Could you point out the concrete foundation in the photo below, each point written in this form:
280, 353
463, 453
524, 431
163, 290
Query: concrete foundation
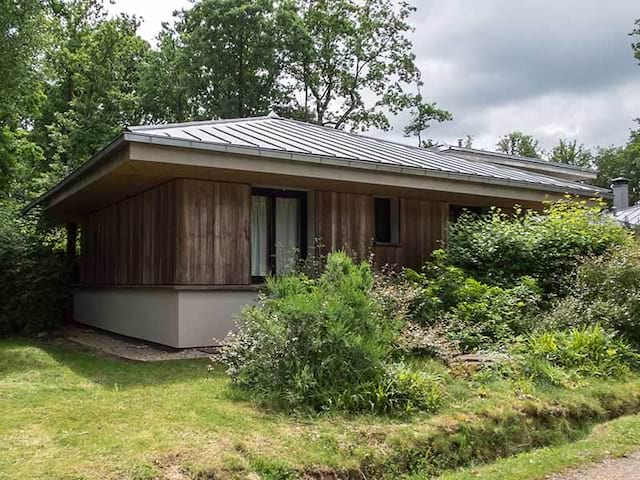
173, 316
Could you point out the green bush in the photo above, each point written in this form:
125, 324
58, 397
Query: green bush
321, 343
474, 314
604, 290
587, 351
499, 248
33, 276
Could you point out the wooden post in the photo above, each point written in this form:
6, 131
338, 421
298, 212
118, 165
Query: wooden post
72, 238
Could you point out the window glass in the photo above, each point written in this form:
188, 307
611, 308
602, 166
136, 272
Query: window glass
259, 237
387, 220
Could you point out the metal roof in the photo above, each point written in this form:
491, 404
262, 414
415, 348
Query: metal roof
629, 216
508, 156
272, 135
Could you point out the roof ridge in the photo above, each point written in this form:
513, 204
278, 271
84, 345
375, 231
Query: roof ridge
135, 128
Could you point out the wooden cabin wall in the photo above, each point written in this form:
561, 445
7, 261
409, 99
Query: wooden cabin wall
213, 233
346, 221
181, 232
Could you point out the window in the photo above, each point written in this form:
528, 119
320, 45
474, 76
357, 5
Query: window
387, 220
278, 231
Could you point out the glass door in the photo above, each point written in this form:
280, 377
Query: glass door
278, 231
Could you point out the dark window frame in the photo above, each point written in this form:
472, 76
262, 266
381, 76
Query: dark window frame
394, 227
271, 194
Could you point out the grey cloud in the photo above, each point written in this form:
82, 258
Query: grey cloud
548, 67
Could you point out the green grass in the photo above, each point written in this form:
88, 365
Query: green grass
70, 414
611, 439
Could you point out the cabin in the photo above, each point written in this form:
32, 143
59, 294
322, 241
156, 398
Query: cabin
179, 224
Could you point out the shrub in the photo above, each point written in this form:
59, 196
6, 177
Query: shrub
605, 290
587, 351
499, 248
319, 343
474, 314
33, 275
408, 391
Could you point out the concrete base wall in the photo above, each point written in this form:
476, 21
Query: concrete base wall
168, 316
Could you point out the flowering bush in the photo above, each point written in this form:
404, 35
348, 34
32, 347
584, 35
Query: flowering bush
319, 343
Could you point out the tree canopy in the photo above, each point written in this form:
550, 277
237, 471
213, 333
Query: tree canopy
518, 143
569, 152
74, 76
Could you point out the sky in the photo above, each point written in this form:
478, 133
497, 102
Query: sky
550, 68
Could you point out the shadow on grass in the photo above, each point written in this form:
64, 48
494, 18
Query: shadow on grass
19, 355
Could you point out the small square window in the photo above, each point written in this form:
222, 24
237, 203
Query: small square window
387, 220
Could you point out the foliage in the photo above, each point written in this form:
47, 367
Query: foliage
588, 351
636, 44
20, 91
475, 315
92, 67
569, 152
224, 59
614, 162
340, 53
33, 275
499, 248
518, 143
320, 343
431, 341
422, 114
605, 289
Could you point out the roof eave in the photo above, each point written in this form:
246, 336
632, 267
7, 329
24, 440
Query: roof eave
93, 162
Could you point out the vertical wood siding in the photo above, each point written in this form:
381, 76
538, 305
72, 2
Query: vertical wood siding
346, 221
182, 232
213, 234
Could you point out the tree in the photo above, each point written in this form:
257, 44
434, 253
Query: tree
569, 152
613, 162
636, 44
349, 60
21, 89
518, 143
93, 69
222, 59
422, 114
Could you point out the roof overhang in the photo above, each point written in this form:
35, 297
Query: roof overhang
138, 159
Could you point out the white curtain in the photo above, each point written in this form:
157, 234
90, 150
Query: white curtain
287, 234
259, 245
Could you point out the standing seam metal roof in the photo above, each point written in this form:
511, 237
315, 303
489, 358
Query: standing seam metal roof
273, 133
629, 216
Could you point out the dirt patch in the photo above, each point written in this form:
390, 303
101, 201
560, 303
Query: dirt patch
625, 468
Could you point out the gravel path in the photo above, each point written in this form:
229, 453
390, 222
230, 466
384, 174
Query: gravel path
126, 347
626, 468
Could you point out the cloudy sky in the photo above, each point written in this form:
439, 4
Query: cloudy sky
551, 68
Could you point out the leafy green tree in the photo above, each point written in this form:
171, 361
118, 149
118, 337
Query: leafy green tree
350, 61
636, 44
613, 162
422, 115
93, 67
21, 89
222, 59
569, 152
518, 143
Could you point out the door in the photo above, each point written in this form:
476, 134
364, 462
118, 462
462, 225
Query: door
278, 231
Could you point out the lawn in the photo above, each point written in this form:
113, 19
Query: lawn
71, 414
